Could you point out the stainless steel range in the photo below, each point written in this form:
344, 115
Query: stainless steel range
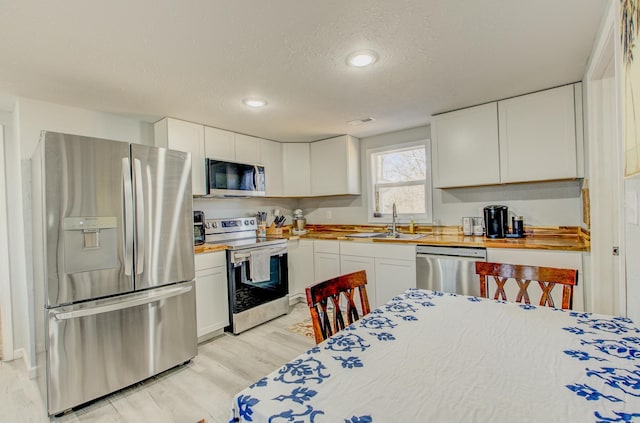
256, 272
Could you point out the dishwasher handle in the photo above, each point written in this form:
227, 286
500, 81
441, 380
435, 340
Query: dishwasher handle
480, 254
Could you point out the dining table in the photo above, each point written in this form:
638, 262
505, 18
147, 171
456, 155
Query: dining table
429, 356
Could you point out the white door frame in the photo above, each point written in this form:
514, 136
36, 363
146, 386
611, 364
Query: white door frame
604, 135
5, 280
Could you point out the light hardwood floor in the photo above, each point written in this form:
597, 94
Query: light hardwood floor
202, 389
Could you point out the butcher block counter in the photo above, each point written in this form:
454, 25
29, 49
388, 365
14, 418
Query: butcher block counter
538, 238
562, 238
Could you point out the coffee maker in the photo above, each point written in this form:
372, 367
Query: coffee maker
496, 221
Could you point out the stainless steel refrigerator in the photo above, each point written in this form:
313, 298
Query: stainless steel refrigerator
113, 265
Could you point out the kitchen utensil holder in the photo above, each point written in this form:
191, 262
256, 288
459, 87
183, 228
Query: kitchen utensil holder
272, 230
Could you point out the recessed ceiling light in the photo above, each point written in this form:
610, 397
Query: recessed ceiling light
254, 102
363, 58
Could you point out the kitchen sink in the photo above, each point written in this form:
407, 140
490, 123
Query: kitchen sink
383, 235
367, 235
408, 236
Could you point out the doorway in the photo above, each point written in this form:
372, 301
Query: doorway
607, 293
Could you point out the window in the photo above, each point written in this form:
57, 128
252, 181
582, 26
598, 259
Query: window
400, 174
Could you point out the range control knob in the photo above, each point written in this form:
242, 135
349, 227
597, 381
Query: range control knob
246, 222
253, 222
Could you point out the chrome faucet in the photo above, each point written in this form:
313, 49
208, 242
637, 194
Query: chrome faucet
393, 233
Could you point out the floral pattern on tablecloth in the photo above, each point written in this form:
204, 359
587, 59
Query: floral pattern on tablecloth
601, 341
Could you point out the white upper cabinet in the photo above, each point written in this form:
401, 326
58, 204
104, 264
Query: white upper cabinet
219, 144
295, 169
335, 166
272, 161
248, 149
185, 136
533, 137
538, 136
229, 146
465, 147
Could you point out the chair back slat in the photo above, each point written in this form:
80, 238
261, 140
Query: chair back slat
547, 278
342, 287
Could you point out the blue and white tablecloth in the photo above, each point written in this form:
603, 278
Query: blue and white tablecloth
432, 357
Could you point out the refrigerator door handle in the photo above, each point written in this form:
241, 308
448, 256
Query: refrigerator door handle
174, 292
128, 215
137, 167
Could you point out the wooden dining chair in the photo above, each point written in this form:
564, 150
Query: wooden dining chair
344, 286
547, 278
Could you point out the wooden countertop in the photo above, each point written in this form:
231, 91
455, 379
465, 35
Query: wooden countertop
538, 238
562, 238
209, 248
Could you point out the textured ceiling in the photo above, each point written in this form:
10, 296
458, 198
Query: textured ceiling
196, 60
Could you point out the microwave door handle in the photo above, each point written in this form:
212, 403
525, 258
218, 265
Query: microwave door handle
255, 178
137, 167
127, 193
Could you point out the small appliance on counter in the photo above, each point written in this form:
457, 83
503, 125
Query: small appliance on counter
517, 227
198, 228
299, 222
496, 220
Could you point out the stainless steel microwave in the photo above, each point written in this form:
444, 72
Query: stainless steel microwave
232, 179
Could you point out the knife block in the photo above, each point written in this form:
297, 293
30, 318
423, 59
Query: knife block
272, 230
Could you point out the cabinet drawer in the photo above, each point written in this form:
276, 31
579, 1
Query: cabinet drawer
208, 260
354, 248
331, 247
402, 252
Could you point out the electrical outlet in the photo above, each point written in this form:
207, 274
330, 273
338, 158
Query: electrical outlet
329, 214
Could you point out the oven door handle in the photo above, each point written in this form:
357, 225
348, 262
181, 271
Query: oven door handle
238, 256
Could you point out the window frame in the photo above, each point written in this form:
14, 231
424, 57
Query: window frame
425, 217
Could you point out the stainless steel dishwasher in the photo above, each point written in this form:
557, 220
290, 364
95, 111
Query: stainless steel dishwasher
449, 269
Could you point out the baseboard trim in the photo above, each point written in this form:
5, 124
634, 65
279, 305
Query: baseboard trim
31, 370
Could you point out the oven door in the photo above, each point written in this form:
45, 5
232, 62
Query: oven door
257, 276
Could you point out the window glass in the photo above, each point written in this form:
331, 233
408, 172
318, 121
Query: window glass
400, 174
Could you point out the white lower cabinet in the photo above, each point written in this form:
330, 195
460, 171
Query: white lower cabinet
350, 264
326, 260
393, 277
562, 259
212, 302
300, 264
391, 269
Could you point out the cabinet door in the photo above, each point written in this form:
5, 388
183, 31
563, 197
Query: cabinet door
393, 277
350, 264
219, 144
212, 302
272, 161
562, 259
295, 169
335, 166
465, 147
326, 266
185, 136
538, 136
300, 263
248, 149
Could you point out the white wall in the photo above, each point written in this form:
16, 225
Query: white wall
216, 208
548, 203
5, 281
30, 117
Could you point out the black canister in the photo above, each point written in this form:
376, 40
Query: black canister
517, 226
496, 221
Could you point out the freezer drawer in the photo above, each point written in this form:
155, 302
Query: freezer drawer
99, 347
